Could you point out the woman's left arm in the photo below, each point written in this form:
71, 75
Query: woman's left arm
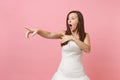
85, 46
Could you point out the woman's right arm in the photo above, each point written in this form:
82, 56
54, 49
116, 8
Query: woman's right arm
50, 35
45, 34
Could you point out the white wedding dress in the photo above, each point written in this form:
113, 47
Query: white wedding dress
71, 67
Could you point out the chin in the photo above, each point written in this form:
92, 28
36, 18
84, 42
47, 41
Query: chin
73, 30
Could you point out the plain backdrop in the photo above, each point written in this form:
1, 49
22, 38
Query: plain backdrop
38, 58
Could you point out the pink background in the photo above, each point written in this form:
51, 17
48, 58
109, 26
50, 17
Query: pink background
37, 58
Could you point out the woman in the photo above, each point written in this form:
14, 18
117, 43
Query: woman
73, 41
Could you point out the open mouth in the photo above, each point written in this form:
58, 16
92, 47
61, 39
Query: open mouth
70, 25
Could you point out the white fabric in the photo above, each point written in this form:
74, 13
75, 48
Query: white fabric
70, 67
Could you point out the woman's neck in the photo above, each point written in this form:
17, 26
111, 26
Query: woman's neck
75, 34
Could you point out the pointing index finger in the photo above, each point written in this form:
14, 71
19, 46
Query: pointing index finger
27, 28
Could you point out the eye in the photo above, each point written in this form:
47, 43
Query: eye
72, 18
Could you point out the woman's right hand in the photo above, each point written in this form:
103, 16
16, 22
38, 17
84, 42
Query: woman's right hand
30, 31
66, 38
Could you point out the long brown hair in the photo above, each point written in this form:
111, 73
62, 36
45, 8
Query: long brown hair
80, 26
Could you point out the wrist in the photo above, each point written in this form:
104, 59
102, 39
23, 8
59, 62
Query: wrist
37, 31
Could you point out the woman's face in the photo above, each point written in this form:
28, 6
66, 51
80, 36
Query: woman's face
72, 21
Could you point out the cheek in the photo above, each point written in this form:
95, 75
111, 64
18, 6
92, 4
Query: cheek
75, 23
